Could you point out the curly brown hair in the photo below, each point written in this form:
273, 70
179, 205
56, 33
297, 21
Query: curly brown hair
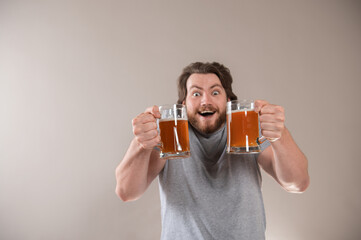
220, 70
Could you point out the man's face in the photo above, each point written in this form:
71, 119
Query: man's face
206, 102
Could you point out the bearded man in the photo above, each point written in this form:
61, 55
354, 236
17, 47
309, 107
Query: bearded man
211, 194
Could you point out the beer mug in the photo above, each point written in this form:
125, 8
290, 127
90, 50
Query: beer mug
243, 133
173, 130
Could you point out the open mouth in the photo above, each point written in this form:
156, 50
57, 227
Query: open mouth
206, 113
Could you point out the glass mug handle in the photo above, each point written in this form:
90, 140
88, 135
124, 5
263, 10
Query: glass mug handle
260, 139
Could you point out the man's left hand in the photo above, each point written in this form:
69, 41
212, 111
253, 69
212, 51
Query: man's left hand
272, 119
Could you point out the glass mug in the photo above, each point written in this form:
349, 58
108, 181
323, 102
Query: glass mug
243, 133
173, 131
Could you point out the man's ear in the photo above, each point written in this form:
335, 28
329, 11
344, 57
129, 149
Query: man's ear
184, 102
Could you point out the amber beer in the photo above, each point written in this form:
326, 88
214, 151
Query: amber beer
242, 127
173, 130
167, 129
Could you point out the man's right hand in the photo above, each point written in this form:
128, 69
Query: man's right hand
141, 163
145, 128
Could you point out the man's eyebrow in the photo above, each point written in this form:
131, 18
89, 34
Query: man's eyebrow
216, 85
200, 88
195, 86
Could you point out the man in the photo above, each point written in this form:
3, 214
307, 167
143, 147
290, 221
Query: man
212, 194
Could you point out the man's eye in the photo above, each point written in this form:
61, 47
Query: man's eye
215, 93
196, 94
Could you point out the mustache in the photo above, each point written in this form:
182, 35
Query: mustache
207, 108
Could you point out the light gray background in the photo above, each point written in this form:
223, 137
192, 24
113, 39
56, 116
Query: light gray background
74, 73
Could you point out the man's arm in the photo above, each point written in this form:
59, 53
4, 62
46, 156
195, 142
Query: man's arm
141, 163
284, 161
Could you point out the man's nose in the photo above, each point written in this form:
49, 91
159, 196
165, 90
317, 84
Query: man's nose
206, 99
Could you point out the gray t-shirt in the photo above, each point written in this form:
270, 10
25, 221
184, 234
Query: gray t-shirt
212, 194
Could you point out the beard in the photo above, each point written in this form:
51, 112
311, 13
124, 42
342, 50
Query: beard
207, 128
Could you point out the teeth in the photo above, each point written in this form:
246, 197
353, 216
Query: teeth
206, 112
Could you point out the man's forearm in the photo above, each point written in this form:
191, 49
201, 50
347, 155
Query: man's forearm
132, 172
290, 164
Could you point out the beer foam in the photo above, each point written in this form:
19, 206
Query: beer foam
240, 110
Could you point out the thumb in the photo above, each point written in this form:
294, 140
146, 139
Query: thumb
154, 110
259, 104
